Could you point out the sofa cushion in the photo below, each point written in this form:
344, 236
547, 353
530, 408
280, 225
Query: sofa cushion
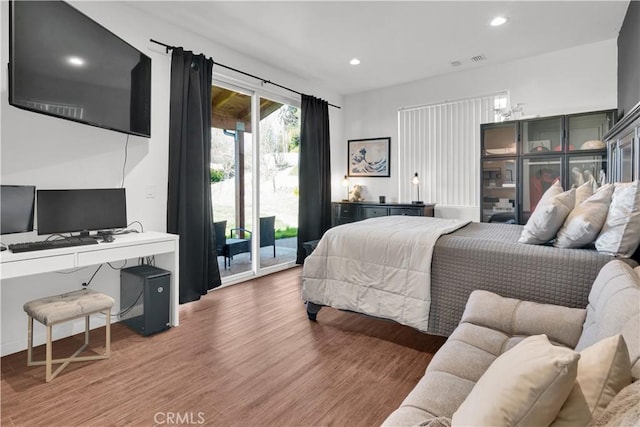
525, 386
614, 307
516, 318
603, 370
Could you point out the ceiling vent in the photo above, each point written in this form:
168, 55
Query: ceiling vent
478, 58
455, 63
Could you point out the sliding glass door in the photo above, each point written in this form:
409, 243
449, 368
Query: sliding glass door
279, 148
254, 181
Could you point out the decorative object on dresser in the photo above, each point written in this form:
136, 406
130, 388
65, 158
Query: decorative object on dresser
369, 157
416, 181
520, 160
345, 183
343, 212
357, 193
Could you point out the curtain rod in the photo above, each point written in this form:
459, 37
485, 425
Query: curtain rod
168, 48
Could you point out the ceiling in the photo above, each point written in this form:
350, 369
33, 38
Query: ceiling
232, 110
396, 41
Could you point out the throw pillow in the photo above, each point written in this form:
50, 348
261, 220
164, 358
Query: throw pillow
586, 220
603, 370
620, 233
524, 386
624, 409
549, 215
583, 192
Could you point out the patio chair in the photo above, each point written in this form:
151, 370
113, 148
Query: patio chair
267, 237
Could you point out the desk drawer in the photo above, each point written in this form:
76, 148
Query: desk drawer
45, 264
124, 252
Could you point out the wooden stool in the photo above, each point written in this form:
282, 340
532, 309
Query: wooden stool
62, 308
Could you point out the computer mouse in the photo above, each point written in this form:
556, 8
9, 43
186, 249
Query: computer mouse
107, 238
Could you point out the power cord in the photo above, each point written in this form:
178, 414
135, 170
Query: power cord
124, 164
86, 284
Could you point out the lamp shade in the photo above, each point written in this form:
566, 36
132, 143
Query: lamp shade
415, 179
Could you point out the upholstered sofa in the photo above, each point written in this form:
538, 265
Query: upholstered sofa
493, 328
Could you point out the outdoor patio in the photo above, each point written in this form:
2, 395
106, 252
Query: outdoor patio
285, 252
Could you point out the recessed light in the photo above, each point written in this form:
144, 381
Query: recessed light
498, 20
74, 60
354, 61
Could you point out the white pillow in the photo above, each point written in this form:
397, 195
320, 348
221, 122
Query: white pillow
583, 192
603, 370
549, 215
620, 233
585, 220
524, 386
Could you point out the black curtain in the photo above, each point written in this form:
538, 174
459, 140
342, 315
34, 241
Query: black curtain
314, 210
189, 211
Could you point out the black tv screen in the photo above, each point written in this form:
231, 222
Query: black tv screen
68, 211
66, 65
16, 208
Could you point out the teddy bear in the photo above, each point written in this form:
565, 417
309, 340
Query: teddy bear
356, 193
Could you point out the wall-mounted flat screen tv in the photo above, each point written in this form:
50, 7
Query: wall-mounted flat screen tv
66, 65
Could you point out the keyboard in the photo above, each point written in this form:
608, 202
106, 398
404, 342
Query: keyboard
52, 244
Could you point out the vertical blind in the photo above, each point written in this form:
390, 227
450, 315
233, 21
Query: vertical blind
441, 142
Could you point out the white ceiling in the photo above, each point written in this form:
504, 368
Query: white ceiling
397, 41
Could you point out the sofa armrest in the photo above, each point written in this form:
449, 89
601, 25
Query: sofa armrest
514, 317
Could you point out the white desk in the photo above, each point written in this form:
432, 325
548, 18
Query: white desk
126, 246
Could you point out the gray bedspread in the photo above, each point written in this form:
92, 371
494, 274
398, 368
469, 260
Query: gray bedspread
487, 256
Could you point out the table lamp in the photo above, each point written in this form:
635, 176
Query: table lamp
416, 181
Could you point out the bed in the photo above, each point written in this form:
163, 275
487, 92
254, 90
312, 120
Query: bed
383, 267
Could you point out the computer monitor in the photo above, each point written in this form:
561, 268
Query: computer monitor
69, 211
16, 208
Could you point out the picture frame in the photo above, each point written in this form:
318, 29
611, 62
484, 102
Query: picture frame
369, 157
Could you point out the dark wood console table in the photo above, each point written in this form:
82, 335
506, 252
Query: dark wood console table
345, 212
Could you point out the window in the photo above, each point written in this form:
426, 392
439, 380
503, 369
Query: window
442, 143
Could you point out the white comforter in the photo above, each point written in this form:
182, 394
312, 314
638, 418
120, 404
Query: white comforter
379, 266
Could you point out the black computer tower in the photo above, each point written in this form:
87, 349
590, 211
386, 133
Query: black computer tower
145, 298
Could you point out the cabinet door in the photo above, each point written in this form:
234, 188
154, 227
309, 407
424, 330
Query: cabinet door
586, 131
625, 147
498, 190
538, 174
583, 168
373, 211
542, 135
499, 139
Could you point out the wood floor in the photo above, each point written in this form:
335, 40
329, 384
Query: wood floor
244, 355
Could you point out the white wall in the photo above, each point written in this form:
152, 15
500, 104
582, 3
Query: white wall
562, 82
54, 153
